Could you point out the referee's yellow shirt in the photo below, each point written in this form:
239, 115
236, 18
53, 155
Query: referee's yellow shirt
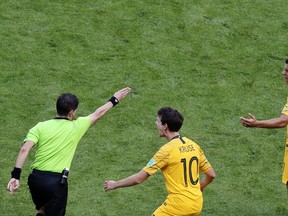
56, 141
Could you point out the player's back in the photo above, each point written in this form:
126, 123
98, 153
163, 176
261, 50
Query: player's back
182, 174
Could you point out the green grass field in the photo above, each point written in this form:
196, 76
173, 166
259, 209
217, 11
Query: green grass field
212, 60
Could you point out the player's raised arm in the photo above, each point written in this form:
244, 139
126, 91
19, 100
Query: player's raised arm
113, 101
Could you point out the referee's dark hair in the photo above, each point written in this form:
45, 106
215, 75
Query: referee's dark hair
65, 103
286, 61
171, 117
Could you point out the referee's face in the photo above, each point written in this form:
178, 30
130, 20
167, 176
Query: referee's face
285, 73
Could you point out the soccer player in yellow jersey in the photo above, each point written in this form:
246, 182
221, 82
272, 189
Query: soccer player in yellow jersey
280, 122
180, 160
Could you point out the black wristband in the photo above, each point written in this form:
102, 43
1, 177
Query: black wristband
114, 101
16, 173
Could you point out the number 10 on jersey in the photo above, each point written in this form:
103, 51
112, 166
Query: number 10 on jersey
192, 172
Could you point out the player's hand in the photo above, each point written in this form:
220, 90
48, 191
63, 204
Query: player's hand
122, 93
109, 185
251, 122
13, 185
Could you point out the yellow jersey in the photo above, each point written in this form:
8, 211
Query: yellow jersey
180, 160
285, 166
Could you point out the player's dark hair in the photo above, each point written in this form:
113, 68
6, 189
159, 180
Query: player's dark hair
286, 61
171, 117
65, 103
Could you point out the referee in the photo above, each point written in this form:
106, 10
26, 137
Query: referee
56, 141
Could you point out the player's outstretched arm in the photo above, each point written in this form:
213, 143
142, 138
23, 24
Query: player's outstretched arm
114, 100
279, 122
129, 181
208, 178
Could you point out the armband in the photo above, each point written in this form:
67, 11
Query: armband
114, 101
16, 173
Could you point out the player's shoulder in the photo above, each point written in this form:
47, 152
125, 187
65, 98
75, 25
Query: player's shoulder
167, 148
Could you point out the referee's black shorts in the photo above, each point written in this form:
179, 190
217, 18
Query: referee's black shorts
48, 192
